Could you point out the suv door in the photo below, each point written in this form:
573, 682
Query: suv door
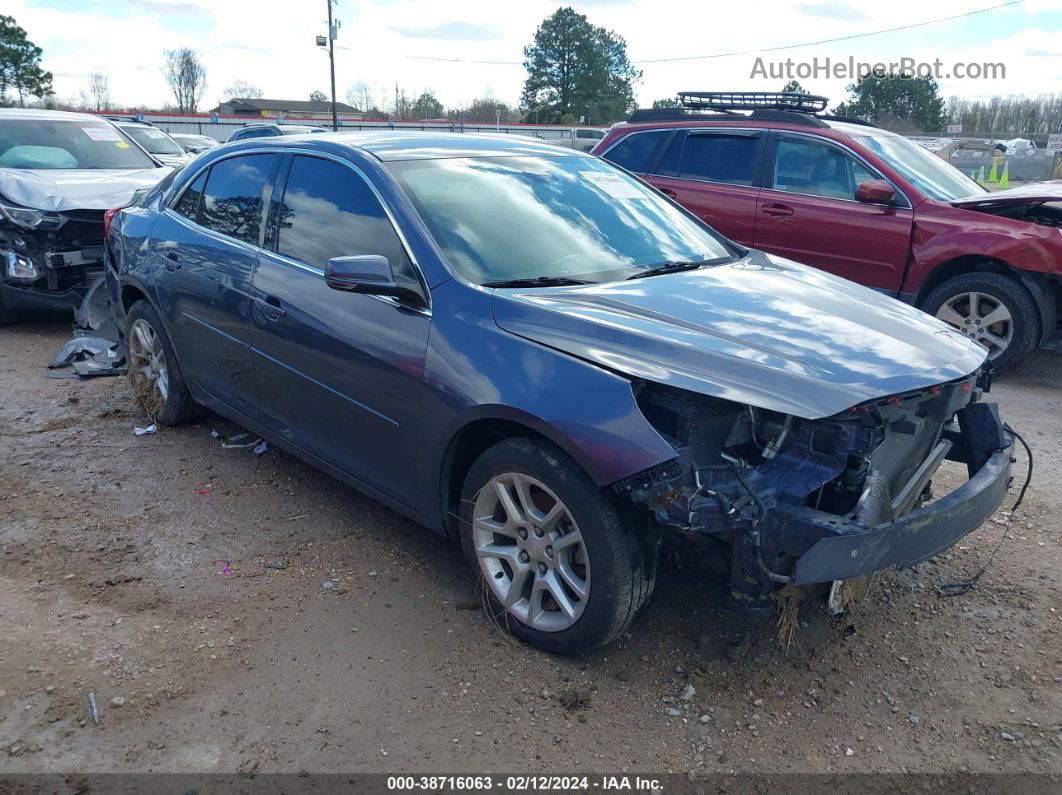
339, 373
714, 173
207, 241
808, 212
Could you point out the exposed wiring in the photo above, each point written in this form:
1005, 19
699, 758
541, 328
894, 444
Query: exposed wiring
960, 588
774, 576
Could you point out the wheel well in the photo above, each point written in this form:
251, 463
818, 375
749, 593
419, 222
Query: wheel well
969, 263
469, 443
130, 295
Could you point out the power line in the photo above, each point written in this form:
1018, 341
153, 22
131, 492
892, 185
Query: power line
762, 49
838, 38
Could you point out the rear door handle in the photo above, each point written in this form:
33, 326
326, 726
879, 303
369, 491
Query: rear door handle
271, 308
778, 210
669, 193
173, 262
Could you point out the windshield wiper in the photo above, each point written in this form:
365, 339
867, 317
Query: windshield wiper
670, 267
537, 281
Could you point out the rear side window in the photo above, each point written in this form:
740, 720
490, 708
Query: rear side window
718, 157
329, 211
637, 151
188, 204
234, 196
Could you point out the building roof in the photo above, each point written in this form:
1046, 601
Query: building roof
302, 106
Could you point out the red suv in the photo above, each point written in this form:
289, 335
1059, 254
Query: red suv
863, 203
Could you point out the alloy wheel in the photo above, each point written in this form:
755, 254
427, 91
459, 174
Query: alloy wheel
531, 552
982, 318
147, 361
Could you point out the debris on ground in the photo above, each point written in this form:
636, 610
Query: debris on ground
93, 709
152, 428
95, 347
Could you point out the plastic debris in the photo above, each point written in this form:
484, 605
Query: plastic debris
226, 567
95, 348
93, 708
261, 447
152, 428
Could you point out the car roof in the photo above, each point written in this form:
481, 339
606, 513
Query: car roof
846, 128
391, 145
54, 115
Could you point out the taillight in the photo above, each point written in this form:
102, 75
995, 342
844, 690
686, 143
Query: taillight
107, 218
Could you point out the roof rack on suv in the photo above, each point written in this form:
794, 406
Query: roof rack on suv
752, 100
132, 119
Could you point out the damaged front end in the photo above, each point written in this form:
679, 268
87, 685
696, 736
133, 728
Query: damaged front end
49, 259
807, 501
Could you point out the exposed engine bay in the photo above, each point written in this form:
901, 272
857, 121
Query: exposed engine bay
55, 255
1036, 212
774, 485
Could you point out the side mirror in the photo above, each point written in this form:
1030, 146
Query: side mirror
874, 191
370, 274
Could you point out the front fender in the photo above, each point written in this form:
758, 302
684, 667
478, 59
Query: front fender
479, 371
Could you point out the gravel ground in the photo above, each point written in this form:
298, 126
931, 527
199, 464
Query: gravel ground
184, 585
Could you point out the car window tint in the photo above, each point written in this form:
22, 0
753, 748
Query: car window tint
329, 211
720, 158
815, 168
669, 163
188, 204
232, 200
637, 151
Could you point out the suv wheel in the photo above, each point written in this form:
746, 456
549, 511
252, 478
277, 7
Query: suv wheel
156, 376
557, 564
992, 309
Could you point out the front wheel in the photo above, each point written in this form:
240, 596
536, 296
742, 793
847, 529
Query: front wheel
991, 309
558, 565
156, 376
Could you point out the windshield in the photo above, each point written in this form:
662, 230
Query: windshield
515, 218
930, 174
51, 143
155, 141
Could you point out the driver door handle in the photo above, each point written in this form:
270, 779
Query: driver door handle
778, 210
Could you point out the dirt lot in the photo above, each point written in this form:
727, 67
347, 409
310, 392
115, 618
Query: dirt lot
113, 556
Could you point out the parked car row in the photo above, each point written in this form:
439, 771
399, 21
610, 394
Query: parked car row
546, 359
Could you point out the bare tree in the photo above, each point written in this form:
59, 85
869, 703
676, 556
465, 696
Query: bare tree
360, 96
99, 92
186, 76
241, 89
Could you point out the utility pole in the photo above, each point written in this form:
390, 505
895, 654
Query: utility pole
332, 63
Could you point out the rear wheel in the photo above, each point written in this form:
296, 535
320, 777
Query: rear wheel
991, 309
153, 369
558, 565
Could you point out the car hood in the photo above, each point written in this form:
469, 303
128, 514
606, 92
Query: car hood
60, 189
763, 331
1040, 192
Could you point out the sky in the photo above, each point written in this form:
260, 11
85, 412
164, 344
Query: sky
479, 43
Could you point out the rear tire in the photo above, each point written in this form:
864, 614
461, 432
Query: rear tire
154, 372
967, 300
578, 576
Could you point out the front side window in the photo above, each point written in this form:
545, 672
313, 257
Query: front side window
814, 168
234, 194
188, 204
62, 144
930, 174
720, 157
637, 151
513, 218
329, 211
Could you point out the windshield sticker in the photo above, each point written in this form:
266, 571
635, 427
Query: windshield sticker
155, 133
615, 185
122, 145
101, 133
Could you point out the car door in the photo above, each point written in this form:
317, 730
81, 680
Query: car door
808, 212
714, 173
206, 243
339, 374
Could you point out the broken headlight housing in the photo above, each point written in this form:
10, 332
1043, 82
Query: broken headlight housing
28, 218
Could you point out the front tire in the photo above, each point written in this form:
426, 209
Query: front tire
157, 380
558, 565
993, 310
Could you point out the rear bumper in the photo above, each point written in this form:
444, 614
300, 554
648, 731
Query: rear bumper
854, 550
